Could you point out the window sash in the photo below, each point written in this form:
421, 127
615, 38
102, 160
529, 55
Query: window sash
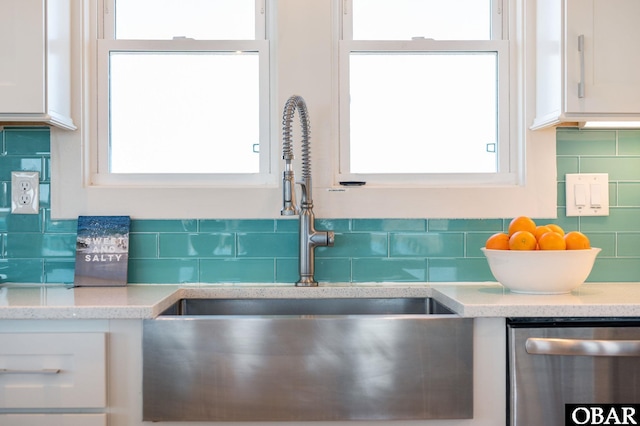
498, 20
107, 25
507, 173
101, 174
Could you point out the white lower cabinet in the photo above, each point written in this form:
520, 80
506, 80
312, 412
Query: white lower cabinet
64, 373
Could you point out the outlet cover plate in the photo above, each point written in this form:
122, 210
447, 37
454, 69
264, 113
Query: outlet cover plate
587, 194
25, 192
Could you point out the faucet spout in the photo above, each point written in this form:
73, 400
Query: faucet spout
310, 238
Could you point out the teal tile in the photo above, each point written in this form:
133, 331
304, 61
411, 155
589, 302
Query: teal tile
614, 199
13, 164
4, 219
465, 225
164, 225
628, 244
143, 246
566, 165
615, 270
24, 245
237, 270
163, 271
619, 219
474, 241
427, 245
221, 225
561, 194
196, 245
59, 271
390, 225
451, 270
333, 270
287, 270
24, 222
45, 195
585, 142
45, 175
380, 270
618, 168
34, 141
21, 271
290, 224
358, 244
628, 194
336, 225
5, 195
326, 270
57, 225
267, 244
628, 142
604, 240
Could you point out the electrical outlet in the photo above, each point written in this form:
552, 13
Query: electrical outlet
25, 192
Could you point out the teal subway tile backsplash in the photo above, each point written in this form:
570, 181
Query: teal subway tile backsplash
628, 142
38, 249
585, 142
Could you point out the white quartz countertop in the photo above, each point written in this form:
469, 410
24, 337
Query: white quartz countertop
22, 301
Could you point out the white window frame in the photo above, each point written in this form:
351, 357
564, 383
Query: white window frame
107, 43
499, 44
304, 56
100, 168
506, 173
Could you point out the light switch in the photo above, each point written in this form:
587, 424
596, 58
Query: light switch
587, 194
580, 195
596, 195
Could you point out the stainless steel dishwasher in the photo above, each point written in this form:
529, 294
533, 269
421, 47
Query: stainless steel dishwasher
559, 361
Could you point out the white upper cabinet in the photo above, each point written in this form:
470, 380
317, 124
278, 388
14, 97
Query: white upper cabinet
35, 51
588, 56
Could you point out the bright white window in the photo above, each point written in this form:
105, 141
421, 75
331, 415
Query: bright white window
425, 94
183, 90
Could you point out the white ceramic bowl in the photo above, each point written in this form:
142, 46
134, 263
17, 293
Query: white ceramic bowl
541, 271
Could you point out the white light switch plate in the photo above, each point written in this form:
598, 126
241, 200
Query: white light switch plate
587, 194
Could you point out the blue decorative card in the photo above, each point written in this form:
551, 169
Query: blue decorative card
102, 251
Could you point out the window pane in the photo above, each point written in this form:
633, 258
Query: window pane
436, 19
423, 113
184, 113
198, 19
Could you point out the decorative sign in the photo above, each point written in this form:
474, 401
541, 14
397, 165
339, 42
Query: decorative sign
102, 251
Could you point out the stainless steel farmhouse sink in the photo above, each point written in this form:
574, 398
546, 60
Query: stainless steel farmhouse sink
307, 360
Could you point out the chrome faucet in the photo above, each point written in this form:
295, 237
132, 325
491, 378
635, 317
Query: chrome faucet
310, 238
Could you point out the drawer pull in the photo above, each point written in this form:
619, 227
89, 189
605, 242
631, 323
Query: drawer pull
43, 371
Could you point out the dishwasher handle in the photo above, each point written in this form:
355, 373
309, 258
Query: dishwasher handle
577, 347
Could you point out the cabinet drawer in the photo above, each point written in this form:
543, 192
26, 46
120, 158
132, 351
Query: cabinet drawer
53, 419
52, 370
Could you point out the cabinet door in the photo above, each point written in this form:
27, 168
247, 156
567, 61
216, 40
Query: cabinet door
22, 55
607, 63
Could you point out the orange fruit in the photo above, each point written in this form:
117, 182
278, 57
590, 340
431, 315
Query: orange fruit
499, 241
552, 241
555, 228
522, 240
577, 241
541, 230
522, 223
